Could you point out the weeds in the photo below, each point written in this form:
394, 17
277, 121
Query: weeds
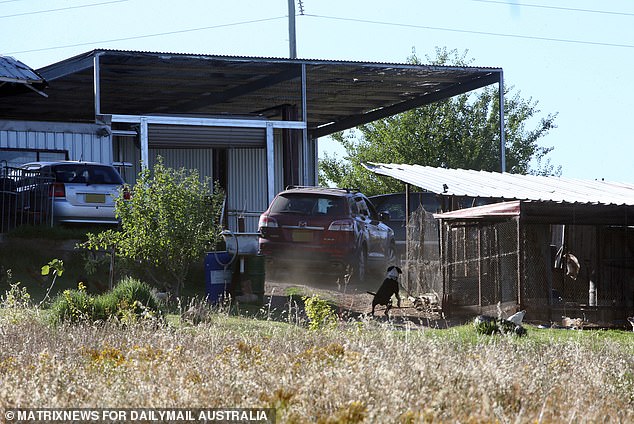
364, 372
16, 302
16, 297
319, 312
373, 374
130, 301
73, 306
55, 266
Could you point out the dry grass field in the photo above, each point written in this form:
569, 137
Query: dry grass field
366, 371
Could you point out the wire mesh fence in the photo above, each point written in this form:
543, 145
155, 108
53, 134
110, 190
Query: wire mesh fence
424, 273
481, 263
553, 271
24, 198
584, 271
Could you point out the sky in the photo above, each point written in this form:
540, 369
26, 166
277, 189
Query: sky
573, 57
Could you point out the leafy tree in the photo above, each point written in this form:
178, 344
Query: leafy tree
171, 219
461, 132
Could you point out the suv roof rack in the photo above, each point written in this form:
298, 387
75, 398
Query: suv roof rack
346, 189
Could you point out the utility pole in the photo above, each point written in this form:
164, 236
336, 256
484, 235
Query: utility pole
291, 29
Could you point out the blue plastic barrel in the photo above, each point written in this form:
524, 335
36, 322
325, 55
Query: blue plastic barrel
217, 275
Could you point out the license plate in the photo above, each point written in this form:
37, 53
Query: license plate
302, 236
95, 198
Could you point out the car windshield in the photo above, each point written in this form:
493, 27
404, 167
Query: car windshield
303, 204
86, 174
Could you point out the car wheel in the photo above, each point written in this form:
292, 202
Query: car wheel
359, 268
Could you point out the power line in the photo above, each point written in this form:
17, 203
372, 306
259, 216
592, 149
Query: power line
569, 9
61, 9
365, 21
150, 35
464, 31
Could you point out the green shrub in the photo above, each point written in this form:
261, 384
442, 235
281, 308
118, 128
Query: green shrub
128, 302
72, 306
105, 306
319, 312
171, 220
130, 291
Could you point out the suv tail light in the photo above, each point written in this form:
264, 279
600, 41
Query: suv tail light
342, 225
267, 222
57, 190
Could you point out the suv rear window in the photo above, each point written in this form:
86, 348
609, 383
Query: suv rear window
93, 174
303, 204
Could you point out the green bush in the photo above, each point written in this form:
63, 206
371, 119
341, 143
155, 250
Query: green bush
72, 306
134, 299
129, 301
106, 306
130, 290
319, 312
171, 220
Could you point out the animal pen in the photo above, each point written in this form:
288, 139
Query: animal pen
553, 260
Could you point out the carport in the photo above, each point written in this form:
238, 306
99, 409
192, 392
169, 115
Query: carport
174, 102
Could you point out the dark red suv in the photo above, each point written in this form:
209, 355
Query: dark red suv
326, 231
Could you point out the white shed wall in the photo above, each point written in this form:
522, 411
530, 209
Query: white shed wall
246, 187
89, 142
200, 159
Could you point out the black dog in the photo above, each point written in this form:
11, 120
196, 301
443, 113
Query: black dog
388, 288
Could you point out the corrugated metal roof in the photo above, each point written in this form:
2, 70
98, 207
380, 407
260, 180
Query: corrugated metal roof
462, 182
15, 76
338, 94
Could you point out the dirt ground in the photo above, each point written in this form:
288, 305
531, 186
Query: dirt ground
351, 300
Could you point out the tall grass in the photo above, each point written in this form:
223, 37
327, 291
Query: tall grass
359, 372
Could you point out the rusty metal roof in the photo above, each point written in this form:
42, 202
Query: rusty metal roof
339, 94
16, 77
502, 209
462, 182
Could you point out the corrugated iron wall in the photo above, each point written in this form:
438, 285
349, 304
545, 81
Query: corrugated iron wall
89, 142
125, 150
246, 187
200, 159
247, 168
247, 174
187, 136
